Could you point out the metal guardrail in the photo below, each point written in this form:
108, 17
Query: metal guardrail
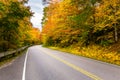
3, 54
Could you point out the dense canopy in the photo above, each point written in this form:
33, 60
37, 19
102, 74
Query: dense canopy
15, 27
70, 22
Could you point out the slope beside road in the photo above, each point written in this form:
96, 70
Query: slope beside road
46, 64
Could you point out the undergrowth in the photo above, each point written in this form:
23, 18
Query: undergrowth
94, 52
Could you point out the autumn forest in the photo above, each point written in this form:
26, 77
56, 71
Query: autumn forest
89, 28
15, 27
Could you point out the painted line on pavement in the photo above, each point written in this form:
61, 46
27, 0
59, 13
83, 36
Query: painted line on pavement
92, 76
24, 68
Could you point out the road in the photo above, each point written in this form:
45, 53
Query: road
41, 63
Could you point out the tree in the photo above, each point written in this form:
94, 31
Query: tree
108, 17
11, 13
89, 21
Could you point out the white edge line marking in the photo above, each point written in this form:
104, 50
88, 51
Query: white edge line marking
24, 68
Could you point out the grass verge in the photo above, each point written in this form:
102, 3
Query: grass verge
94, 52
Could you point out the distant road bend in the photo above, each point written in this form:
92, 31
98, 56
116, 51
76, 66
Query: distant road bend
45, 64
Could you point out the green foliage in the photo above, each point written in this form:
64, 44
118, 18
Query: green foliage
15, 26
92, 21
84, 27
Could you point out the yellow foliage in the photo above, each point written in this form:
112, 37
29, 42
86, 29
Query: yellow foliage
94, 52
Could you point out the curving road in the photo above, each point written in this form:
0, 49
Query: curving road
45, 64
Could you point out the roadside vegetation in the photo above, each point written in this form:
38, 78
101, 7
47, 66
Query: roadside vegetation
16, 30
89, 28
94, 52
15, 27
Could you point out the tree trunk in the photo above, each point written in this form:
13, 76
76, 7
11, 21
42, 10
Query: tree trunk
115, 26
116, 33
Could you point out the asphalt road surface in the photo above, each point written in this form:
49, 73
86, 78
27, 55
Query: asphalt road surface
40, 63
